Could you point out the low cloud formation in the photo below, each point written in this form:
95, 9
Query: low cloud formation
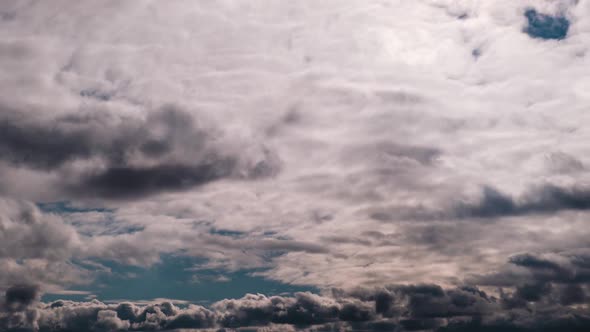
19, 297
533, 292
385, 308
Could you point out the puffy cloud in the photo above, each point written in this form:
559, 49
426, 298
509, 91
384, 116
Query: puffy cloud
417, 307
36, 247
107, 320
21, 296
27, 233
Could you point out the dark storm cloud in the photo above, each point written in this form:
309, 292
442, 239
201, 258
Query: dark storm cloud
50, 144
534, 262
20, 296
492, 204
573, 323
168, 150
14, 307
572, 294
548, 280
431, 301
564, 268
386, 308
542, 199
39, 147
123, 182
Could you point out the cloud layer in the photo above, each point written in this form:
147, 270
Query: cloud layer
421, 163
387, 308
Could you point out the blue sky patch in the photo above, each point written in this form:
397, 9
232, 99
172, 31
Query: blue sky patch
545, 26
64, 207
174, 278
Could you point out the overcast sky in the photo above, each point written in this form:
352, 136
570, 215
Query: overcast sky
276, 165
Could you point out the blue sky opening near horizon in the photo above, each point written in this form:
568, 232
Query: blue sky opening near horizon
175, 278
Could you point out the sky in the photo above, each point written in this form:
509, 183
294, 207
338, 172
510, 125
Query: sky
275, 165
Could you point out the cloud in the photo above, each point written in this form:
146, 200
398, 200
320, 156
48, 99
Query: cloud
27, 233
36, 247
340, 144
564, 163
21, 296
548, 280
540, 199
135, 157
409, 308
492, 203
570, 267
122, 182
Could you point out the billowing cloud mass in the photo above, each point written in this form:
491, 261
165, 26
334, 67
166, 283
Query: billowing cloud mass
416, 165
385, 308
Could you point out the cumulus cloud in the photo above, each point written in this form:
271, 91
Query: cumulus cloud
399, 308
36, 247
20, 296
27, 233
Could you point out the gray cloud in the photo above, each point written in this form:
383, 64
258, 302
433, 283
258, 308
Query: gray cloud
541, 199
390, 154
125, 182
572, 267
18, 297
36, 247
401, 308
563, 163
29, 234
165, 151
550, 282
